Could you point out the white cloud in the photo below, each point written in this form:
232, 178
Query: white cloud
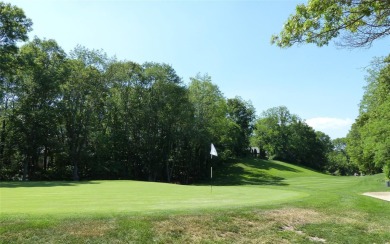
334, 127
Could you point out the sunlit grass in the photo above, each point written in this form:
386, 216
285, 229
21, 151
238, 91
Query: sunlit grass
121, 197
252, 201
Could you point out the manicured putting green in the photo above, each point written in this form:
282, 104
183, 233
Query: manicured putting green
113, 197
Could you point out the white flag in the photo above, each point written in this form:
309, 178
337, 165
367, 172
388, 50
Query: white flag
213, 150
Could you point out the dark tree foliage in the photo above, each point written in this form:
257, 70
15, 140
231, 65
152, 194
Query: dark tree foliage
241, 113
339, 162
34, 115
14, 26
86, 116
284, 136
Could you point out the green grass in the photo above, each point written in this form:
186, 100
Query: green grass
252, 201
122, 197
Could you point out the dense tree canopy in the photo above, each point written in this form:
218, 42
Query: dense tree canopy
359, 22
339, 162
14, 26
84, 115
242, 113
369, 138
34, 114
286, 137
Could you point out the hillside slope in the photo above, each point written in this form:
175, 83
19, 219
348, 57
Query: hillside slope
253, 171
272, 173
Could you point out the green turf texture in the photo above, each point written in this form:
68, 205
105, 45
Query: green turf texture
252, 201
105, 197
249, 183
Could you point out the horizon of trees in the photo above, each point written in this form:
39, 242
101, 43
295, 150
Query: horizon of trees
84, 115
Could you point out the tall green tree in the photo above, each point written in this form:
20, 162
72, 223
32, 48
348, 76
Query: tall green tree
355, 148
210, 122
150, 121
368, 140
339, 162
35, 116
358, 22
305, 146
14, 26
243, 114
272, 131
126, 118
82, 93
166, 105
286, 137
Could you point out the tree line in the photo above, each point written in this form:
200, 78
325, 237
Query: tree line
284, 136
84, 115
368, 142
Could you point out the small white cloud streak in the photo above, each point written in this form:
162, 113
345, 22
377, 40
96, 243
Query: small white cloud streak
334, 127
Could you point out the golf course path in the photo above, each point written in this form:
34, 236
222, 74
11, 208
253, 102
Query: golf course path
381, 195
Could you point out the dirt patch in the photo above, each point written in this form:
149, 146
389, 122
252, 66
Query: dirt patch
250, 227
294, 216
90, 228
380, 195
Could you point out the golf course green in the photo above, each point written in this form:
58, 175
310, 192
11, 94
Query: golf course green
110, 197
278, 182
251, 201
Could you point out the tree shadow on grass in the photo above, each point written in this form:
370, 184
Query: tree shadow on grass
267, 165
250, 171
17, 184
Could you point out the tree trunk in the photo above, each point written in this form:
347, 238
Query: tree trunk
25, 169
2, 142
45, 156
169, 172
75, 171
2, 139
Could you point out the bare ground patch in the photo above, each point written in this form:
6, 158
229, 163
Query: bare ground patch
253, 227
95, 228
291, 219
285, 225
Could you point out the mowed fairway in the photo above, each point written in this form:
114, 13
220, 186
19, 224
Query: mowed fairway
110, 197
250, 183
252, 201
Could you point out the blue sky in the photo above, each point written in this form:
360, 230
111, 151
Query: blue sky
229, 40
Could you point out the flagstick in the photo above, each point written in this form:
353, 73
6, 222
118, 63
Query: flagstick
211, 179
211, 175
212, 152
